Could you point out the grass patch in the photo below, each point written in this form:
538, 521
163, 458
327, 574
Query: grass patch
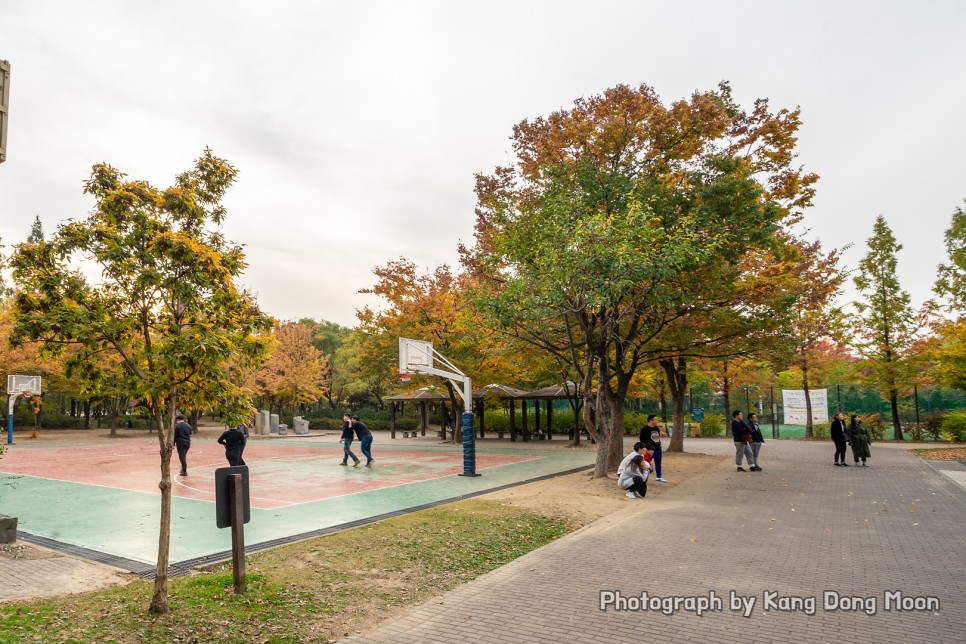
313, 591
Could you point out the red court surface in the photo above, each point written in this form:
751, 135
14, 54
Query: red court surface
281, 474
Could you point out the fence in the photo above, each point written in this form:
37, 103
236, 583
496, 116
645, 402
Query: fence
915, 408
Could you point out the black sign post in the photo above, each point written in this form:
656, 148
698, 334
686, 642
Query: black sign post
232, 508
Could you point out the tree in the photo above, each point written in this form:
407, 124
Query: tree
886, 326
327, 337
815, 319
951, 280
36, 231
297, 372
164, 302
600, 240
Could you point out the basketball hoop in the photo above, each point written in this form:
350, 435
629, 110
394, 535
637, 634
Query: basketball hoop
26, 394
405, 378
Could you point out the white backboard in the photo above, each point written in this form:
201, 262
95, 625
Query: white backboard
414, 355
20, 384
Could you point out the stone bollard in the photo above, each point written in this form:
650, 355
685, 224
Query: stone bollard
8, 529
266, 422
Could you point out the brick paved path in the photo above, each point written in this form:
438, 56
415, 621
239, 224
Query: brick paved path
46, 573
798, 529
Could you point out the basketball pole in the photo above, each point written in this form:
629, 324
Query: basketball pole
10, 400
469, 435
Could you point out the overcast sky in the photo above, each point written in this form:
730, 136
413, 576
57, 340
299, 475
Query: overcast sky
358, 127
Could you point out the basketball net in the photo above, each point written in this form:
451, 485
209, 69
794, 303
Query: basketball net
405, 378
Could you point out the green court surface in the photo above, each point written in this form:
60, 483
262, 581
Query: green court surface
100, 499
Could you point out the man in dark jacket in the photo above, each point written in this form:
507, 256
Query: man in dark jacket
756, 439
182, 440
234, 442
365, 437
742, 437
347, 441
651, 437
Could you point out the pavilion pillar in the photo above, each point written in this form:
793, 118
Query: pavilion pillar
423, 417
392, 419
513, 420
549, 419
523, 412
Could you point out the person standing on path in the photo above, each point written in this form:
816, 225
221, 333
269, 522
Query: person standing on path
347, 441
651, 437
756, 438
860, 439
742, 437
839, 437
234, 442
182, 440
365, 438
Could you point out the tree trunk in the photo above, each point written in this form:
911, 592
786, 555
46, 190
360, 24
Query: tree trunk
159, 602
726, 390
664, 402
676, 370
896, 425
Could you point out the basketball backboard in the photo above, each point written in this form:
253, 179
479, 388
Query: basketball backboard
19, 384
414, 355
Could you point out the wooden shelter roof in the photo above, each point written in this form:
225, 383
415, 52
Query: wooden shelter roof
426, 393
503, 392
554, 392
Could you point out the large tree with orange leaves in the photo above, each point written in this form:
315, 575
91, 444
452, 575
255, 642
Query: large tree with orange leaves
604, 233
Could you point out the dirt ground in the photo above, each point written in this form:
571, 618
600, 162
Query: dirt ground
585, 499
577, 496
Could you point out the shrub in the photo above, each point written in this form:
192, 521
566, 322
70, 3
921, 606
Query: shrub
634, 423
954, 427
916, 432
713, 425
934, 424
494, 420
821, 430
873, 423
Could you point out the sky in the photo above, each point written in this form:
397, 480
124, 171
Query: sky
358, 128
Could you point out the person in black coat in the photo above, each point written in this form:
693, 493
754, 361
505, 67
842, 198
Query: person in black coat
839, 438
741, 433
234, 442
347, 441
365, 437
182, 440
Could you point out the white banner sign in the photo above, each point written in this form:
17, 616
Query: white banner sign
794, 403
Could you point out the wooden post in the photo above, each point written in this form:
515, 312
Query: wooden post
423, 417
549, 419
482, 410
392, 419
513, 420
523, 411
237, 534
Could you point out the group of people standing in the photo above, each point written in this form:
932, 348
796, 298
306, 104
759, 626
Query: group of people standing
748, 439
350, 425
856, 435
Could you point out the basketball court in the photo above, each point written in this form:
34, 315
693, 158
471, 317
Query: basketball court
98, 497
